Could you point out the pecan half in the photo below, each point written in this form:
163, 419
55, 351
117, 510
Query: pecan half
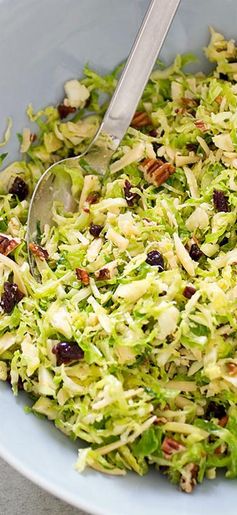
83, 276
170, 446
156, 171
140, 119
39, 251
7, 245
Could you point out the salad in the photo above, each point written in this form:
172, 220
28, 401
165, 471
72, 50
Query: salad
128, 341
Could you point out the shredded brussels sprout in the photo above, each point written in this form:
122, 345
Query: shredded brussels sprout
129, 342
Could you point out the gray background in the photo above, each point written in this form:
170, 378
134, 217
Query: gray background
18, 496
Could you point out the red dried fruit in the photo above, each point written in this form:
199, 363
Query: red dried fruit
64, 111
154, 258
92, 198
189, 291
215, 410
38, 251
140, 119
156, 171
83, 276
195, 252
95, 230
19, 188
131, 198
10, 297
66, 352
103, 274
220, 201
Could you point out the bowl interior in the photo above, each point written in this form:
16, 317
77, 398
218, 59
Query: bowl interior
42, 44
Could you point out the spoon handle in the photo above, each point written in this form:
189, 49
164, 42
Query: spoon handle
139, 65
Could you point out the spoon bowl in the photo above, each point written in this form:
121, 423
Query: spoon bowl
55, 183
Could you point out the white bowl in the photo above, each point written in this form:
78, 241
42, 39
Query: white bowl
43, 43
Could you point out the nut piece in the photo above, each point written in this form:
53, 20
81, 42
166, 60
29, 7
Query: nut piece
156, 171
140, 119
170, 446
83, 276
189, 477
7, 245
103, 274
39, 251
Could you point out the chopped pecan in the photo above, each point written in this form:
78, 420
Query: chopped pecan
170, 446
38, 251
232, 369
83, 276
223, 421
201, 125
7, 245
64, 110
218, 99
189, 477
189, 102
156, 171
140, 119
103, 274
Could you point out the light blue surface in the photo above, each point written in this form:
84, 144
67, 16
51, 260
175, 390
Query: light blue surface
43, 43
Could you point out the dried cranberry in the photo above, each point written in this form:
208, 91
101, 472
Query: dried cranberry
224, 241
64, 111
189, 292
154, 258
95, 230
192, 147
223, 76
66, 352
220, 201
195, 252
10, 297
19, 188
131, 198
153, 133
215, 410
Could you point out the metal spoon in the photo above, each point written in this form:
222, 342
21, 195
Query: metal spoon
130, 87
